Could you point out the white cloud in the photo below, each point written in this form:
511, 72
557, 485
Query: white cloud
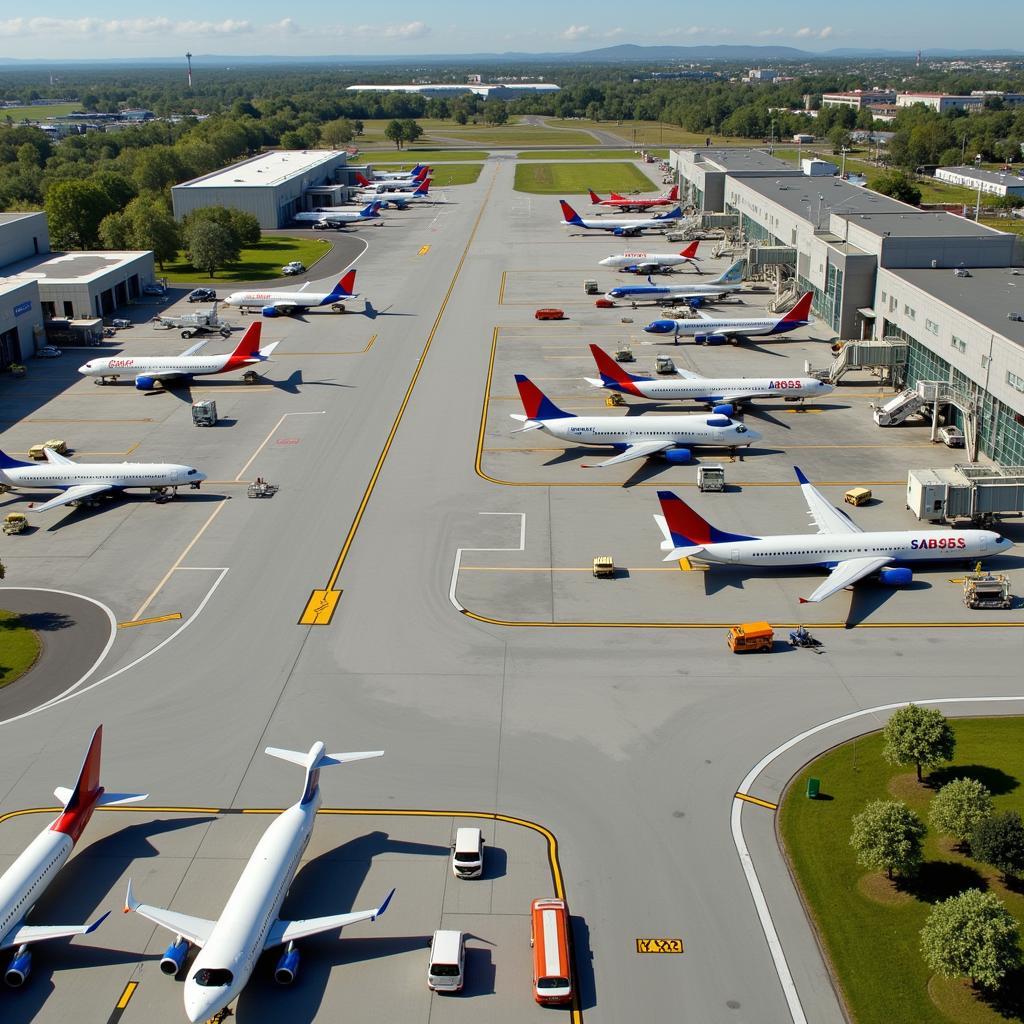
613, 33
814, 33
772, 32
576, 32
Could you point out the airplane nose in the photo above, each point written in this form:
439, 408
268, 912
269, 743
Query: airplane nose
84, 368
660, 327
200, 1004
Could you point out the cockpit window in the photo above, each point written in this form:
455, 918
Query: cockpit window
213, 977
740, 429
192, 472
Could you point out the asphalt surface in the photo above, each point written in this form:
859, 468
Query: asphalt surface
628, 743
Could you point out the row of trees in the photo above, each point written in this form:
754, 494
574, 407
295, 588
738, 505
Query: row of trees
971, 934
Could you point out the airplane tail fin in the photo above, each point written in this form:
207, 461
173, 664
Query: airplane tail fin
801, 311
314, 759
674, 214
250, 343
690, 252
612, 374
733, 275
420, 171
594, 197
6, 462
673, 193
424, 187
370, 209
363, 180
343, 289
267, 351
536, 404
569, 214
687, 531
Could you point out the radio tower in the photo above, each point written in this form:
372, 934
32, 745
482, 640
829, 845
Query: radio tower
918, 62
188, 57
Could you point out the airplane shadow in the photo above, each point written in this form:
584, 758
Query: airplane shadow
295, 381
870, 596
84, 513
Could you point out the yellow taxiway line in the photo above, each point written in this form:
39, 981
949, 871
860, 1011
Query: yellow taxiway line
149, 622
754, 800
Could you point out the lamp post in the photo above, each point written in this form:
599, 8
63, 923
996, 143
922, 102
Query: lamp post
842, 172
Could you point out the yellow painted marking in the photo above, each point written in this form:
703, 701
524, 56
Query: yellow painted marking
149, 622
686, 565
501, 288
126, 995
659, 945
320, 608
755, 800
372, 483
802, 412
424, 249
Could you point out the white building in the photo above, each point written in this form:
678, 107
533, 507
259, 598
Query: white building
858, 98
996, 183
940, 101
449, 90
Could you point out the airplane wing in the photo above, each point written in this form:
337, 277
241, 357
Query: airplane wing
191, 351
844, 574
29, 933
71, 494
687, 374
827, 518
56, 459
196, 929
635, 451
304, 286
290, 931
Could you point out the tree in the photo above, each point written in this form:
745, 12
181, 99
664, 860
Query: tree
496, 112
999, 840
888, 835
337, 133
839, 139
411, 130
897, 184
151, 226
210, 247
243, 227
916, 735
972, 934
114, 232
395, 132
74, 210
958, 807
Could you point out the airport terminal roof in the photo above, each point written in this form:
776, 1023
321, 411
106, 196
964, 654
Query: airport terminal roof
740, 160
11, 218
988, 295
918, 224
838, 196
265, 170
70, 267
1012, 179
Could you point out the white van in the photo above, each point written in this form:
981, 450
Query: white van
468, 853
447, 961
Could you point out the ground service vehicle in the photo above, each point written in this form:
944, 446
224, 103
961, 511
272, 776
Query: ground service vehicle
55, 444
446, 969
202, 295
711, 477
15, 522
550, 314
468, 853
987, 590
549, 937
750, 636
857, 496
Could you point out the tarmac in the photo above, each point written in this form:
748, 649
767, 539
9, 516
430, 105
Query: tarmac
421, 583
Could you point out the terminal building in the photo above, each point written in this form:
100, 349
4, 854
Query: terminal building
271, 186
948, 288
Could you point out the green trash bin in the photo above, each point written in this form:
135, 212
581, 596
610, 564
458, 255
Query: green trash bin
813, 785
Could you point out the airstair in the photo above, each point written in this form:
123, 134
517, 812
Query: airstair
898, 409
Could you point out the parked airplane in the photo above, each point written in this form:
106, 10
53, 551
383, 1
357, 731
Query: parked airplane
635, 437
638, 204
413, 172
288, 303
78, 481
713, 331
401, 182
653, 262
230, 947
840, 547
711, 391
151, 370
719, 288
399, 198
338, 218
618, 226
24, 882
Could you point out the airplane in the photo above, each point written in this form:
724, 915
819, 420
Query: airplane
841, 546
230, 947
730, 281
289, 303
706, 329
640, 205
338, 218
151, 370
724, 394
401, 198
653, 262
78, 481
24, 882
618, 226
635, 437
401, 182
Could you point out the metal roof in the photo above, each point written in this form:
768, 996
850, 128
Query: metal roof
69, 267
265, 170
983, 174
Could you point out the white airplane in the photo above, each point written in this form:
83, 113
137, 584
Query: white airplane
635, 437
399, 198
289, 303
230, 947
653, 262
415, 174
77, 480
402, 183
24, 882
618, 225
338, 217
713, 331
719, 288
840, 547
711, 391
151, 370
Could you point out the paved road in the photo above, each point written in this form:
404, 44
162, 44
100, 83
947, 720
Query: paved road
628, 743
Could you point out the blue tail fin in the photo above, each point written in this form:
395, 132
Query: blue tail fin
6, 462
536, 404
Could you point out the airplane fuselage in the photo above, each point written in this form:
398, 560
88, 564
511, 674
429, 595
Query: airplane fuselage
25, 881
118, 475
655, 294
676, 430
187, 366
713, 391
622, 226
703, 326
645, 260
296, 300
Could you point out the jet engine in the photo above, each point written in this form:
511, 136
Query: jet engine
898, 577
287, 967
718, 421
711, 339
19, 969
144, 383
174, 957
678, 456
270, 311
723, 410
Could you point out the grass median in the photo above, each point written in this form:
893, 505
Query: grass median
261, 262
19, 647
445, 174
870, 929
576, 179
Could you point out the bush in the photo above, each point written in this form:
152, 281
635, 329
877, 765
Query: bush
999, 840
958, 807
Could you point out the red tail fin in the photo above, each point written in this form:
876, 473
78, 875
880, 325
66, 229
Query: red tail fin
690, 251
568, 212
421, 173
612, 372
87, 791
673, 193
802, 310
362, 180
250, 343
594, 197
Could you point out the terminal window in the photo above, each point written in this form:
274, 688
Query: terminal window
1015, 382
931, 325
959, 344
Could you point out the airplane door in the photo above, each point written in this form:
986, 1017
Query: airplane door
734, 554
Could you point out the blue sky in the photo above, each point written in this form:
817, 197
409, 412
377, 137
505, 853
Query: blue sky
108, 29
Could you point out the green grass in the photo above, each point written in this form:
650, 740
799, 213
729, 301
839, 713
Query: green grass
449, 174
575, 179
412, 155
260, 263
582, 154
1013, 224
515, 133
20, 648
874, 948
39, 113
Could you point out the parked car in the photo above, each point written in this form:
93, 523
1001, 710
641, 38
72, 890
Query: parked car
120, 323
153, 289
202, 295
295, 267
49, 352
951, 437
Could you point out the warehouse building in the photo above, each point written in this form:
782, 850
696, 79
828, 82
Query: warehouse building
270, 186
940, 102
951, 289
996, 183
451, 90
859, 99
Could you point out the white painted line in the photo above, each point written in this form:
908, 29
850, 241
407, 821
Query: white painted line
796, 1010
458, 554
266, 440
